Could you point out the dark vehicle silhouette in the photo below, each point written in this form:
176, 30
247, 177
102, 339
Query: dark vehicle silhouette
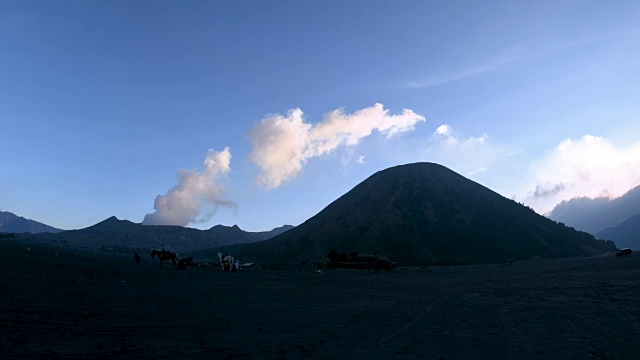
623, 252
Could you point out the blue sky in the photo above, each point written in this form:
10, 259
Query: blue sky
261, 113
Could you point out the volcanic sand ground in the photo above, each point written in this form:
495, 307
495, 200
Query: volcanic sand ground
75, 306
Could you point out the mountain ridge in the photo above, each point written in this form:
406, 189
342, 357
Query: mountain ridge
625, 234
594, 215
424, 213
12, 223
114, 232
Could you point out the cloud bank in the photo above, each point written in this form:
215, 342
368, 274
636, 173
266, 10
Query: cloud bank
197, 195
283, 144
589, 167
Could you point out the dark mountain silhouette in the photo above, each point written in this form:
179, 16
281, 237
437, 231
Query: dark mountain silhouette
625, 235
593, 215
113, 232
12, 223
424, 213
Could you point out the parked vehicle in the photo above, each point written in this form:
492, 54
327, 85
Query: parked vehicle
624, 252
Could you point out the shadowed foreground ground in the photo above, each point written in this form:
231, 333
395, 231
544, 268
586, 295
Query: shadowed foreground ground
70, 306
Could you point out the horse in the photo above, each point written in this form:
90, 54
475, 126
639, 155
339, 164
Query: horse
165, 255
136, 258
227, 262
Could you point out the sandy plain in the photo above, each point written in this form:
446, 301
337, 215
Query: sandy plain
76, 306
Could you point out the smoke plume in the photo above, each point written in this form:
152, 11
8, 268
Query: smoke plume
197, 195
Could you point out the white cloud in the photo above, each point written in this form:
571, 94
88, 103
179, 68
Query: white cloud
477, 171
503, 58
453, 140
443, 130
468, 155
446, 78
197, 195
589, 167
282, 145
511, 55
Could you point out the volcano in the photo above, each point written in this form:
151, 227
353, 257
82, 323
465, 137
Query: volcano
425, 214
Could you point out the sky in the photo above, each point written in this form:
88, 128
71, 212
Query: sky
261, 113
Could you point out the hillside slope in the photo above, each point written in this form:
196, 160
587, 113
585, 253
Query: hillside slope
625, 235
424, 213
12, 223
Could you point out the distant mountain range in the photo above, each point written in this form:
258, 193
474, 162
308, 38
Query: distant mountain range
594, 215
625, 235
419, 214
115, 233
12, 223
